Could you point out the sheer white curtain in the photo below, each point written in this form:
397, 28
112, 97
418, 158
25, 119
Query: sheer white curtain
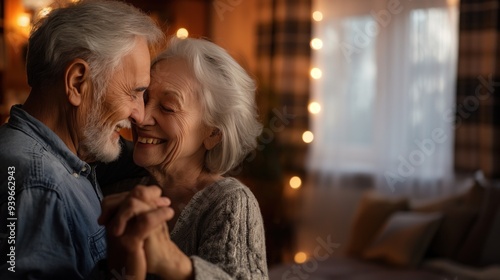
387, 93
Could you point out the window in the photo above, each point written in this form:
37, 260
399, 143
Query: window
388, 81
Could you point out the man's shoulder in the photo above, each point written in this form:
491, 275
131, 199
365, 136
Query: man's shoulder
15, 143
17, 146
16, 151
29, 163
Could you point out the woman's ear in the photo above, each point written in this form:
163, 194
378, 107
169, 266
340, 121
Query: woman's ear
213, 139
76, 79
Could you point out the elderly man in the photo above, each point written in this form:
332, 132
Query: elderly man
88, 67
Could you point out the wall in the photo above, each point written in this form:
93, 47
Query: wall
233, 27
15, 89
174, 14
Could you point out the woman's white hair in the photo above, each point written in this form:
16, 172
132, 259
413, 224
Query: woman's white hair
99, 32
227, 95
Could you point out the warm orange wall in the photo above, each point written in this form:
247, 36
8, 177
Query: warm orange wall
174, 14
192, 15
15, 39
15, 88
234, 28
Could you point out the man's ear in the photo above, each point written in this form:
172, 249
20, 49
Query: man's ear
76, 79
213, 139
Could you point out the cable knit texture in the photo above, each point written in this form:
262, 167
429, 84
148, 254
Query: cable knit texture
221, 229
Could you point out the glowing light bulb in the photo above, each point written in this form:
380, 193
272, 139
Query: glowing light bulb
314, 107
24, 20
182, 33
317, 16
308, 137
316, 73
300, 257
295, 182
316, 43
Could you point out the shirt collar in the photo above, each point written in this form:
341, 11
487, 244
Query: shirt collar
23, 121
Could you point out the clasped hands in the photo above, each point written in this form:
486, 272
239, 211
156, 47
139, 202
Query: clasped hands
138, 237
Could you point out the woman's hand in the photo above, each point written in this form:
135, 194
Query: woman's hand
130, 218
164, 258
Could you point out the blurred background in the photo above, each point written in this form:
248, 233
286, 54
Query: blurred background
386, 97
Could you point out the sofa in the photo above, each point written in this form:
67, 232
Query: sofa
455, 237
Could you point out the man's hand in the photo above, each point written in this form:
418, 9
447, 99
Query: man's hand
118, 209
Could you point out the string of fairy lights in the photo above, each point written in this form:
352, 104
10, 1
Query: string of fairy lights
314, 108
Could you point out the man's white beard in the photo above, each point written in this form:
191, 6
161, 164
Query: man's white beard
98, 142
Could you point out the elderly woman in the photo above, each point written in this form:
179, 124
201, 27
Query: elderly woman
200, 122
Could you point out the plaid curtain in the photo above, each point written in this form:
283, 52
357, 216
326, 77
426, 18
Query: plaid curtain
283, 53
477, 133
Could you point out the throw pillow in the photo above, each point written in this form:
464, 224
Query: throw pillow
460, 212
474, 198
472, 250
471, 198
368, 219
491, 253
440, 204
458, 217
404, 238
452, 232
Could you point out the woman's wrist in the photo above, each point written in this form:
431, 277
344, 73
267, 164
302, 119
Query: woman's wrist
187, 269
182, 269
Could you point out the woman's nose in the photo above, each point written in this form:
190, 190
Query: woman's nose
148, 117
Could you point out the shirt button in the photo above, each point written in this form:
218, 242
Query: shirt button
84, 169
76, 175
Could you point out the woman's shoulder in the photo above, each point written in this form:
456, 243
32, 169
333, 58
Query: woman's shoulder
221, 199
228, 201
228, 188
225, 193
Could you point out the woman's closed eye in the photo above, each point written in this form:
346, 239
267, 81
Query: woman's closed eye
166, 109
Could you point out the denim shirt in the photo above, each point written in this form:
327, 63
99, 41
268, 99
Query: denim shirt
56, 203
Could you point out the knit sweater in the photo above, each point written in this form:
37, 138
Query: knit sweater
222, 231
